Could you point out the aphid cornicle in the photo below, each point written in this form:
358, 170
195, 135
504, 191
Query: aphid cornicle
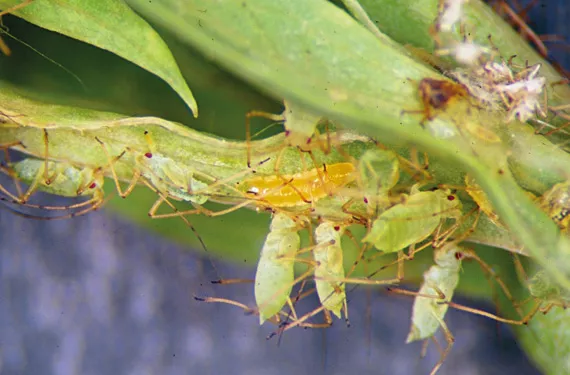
275, 273
414, 220
329, 267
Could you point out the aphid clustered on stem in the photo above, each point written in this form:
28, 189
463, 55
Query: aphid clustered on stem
493, 84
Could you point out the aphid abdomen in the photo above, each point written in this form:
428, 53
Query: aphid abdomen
275, 269
413, 221
329, 258
68, 181
379, 172
300, 188
168, 177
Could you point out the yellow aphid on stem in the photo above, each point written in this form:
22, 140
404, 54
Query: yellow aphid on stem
479, 196
301, 188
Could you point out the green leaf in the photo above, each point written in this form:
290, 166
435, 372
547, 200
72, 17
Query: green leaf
113, 26
319, 56
547, 339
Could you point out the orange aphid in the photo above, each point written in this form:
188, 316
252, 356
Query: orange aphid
299, 188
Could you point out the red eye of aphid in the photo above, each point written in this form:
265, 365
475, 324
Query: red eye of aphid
365, 200
451, 197
93, 185
337, 228
458, 255
287, 132
148, 155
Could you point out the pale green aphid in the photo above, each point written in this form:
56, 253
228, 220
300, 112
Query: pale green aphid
168, 176
275, 274
430, 304
414, 220
542, 286
379, 172
164, 174
546, 293
440, 280
300, 124
59, 178
329, 267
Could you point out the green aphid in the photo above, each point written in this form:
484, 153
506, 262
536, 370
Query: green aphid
60, 178
275, 274
414, 220
379, 172
329, 267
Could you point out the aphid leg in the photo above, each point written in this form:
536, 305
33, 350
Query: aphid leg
7, 170
301, 321
248, 116
111, 162
248, 310
450, 340
555, 130
47, 178
441, 238
288, 182
524, 29
417, 170
164, 198
92, 204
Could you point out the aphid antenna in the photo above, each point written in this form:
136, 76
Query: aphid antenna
248, 116
95, 204
188, 224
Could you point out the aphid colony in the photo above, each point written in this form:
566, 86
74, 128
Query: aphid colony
328, 196
333, 191
493, 84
